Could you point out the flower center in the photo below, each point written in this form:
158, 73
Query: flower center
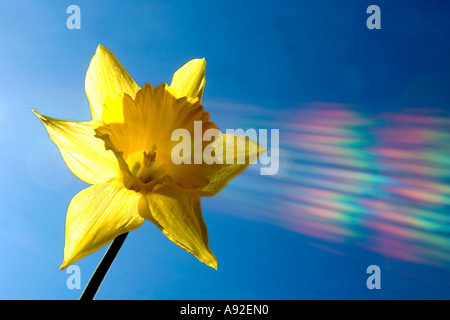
145, 172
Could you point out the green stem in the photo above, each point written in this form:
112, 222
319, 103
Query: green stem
97, 277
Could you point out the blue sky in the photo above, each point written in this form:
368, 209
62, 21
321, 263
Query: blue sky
363, 120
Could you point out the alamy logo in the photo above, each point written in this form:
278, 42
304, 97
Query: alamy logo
74, 20
374, 20
373, 281
235, 147
74, 280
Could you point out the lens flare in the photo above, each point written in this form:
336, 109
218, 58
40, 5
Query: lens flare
376, 181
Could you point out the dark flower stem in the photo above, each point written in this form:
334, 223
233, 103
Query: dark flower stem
97, 277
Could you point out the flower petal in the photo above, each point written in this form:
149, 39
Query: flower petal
189, 80
178, 214
106, 78
96, 216
249, 150
84, 154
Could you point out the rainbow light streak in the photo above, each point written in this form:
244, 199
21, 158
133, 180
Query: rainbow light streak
378, 182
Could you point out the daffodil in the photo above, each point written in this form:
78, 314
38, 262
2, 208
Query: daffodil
124, 152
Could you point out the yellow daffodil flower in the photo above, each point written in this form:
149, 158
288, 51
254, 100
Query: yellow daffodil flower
125, 153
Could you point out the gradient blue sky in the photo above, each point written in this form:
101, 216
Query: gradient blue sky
269, 62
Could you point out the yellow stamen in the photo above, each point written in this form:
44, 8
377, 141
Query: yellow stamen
147, 170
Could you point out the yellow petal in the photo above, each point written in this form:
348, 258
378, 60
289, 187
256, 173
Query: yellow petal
249, 150
96, 216
106, 78
179, 216
189, 80
84, 154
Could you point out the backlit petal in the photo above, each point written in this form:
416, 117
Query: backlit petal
179, 216
189, 80
84, 154
96, 216
249, 149
106, 78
